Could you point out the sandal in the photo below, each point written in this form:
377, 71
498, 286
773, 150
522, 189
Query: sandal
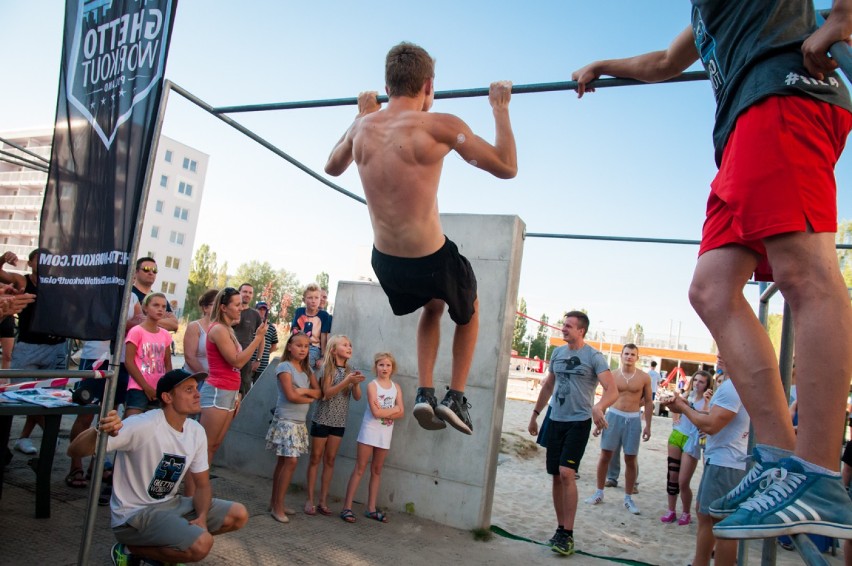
76, 478
347, 515
324, 510
310, 509
376, 515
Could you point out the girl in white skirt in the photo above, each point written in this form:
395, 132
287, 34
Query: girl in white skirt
297, 388
384, 400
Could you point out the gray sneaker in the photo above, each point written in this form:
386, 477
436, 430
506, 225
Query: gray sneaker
424, 409
454, 411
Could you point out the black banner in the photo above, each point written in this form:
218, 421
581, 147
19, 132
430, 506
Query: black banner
110, 83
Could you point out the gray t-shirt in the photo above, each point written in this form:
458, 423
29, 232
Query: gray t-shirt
284, 409
727, 448
576, 374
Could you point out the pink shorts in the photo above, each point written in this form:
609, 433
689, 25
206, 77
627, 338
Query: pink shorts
777, 175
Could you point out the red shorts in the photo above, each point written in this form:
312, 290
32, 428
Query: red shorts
777, 175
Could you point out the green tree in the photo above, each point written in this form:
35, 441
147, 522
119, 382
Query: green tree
519, 333
322, 280
222, 276
271, 286
773, 328
539, 343
202, 276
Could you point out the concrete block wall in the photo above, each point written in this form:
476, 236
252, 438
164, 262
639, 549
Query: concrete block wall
443, 475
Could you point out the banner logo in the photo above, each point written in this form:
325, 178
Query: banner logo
116, 61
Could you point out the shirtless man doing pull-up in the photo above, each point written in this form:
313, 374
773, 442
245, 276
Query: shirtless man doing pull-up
399, 152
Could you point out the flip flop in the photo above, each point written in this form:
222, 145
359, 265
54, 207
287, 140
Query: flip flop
310, 509
76, 478
324, 510
376, 516
347, 515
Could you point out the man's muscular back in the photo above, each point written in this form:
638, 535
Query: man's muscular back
400, 154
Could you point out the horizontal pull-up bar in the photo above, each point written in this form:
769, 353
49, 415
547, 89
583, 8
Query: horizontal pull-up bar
463, 93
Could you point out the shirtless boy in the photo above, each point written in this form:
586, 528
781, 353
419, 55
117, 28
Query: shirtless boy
624, 424
399, 152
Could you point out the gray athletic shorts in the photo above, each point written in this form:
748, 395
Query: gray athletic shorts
716, 482
622, 428
224, 399
167, 524
37, 356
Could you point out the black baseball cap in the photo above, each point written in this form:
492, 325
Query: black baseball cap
174, 378
261, 305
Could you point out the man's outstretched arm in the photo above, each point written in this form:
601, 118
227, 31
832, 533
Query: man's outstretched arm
650, 67
341, 156
500, 159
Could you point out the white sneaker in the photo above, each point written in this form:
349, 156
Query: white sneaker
630, 505
26, 446
596, 498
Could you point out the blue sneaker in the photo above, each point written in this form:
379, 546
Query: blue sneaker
795, 502
757, 479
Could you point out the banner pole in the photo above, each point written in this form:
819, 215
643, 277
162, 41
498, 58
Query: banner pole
112, 384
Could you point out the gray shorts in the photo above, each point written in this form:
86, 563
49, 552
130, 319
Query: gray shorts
716, 482
213, 397
623, 429
167, 524
38, 356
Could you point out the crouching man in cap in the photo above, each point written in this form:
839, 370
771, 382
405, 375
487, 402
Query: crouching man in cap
155, 451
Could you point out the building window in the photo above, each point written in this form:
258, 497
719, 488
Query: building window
159, 206
155, 232
182, 213
173, 262
176, 238
190, 164
168, 156
185, 189
164, 181
167, 287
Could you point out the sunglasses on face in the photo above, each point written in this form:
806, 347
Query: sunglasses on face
148, 269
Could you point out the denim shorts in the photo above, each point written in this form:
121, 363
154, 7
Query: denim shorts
136, 399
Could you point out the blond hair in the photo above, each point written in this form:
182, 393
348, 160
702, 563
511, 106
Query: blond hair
329, 364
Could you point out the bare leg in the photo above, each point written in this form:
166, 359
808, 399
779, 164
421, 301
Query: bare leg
569, 496
704, 542
375, 477
558, 499
673, 477
806, 269
30, 424
317, 449
716, 294
331, 448
687, 469
7, 344
464, 343
428, 340
630, 469
81, 423
362, 458
216, 423
603, 465
281, 481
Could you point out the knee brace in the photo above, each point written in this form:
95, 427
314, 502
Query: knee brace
673, 487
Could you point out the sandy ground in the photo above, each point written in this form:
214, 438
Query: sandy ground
523, 505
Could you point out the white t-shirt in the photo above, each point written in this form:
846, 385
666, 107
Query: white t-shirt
151, 461
655, 380
727, 448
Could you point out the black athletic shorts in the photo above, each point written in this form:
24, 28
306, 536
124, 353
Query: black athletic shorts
324, 431
410, 283
7, 327
566, 444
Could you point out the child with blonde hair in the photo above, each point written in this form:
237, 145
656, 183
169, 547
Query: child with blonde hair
313, 322
384, 400
338, 383
287, 435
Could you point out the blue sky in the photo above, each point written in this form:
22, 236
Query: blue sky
629, 161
